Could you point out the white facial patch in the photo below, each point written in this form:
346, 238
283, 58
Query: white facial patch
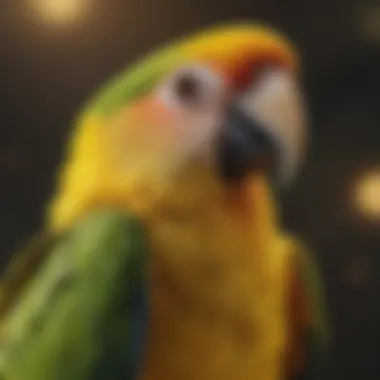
200, 135
195, 94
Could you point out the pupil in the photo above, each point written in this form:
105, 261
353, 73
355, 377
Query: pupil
188, 88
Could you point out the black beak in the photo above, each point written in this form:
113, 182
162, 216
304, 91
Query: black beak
245, 147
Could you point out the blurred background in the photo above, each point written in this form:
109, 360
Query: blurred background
55, 53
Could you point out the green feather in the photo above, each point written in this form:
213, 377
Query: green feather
318, 337
316, 292
61, 324
133, 82
23, 267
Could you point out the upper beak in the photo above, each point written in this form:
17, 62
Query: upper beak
265, 130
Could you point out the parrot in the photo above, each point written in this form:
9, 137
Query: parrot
163, 256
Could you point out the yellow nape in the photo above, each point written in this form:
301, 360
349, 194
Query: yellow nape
87, 178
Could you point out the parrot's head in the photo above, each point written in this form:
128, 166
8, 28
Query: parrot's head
202, 115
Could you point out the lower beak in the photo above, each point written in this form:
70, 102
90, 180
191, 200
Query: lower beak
245, 146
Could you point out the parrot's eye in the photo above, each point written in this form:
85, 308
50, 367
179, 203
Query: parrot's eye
188, 88
194, 87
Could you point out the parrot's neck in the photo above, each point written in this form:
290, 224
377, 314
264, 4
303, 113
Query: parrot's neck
206, 211
194, 194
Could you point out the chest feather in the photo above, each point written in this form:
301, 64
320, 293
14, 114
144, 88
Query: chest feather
216, 304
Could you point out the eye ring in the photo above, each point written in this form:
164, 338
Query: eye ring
193, 87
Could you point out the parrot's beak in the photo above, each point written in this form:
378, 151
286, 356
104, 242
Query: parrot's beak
244, 146
264, 131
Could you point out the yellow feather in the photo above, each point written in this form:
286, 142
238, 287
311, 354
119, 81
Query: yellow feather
227, 45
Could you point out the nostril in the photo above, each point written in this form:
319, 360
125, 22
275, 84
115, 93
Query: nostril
261, 70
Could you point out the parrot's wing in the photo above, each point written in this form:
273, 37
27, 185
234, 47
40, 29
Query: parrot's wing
23, 267
76, 318
309, 335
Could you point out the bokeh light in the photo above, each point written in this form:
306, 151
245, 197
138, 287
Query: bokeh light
367, 194
371, 23
59, 12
